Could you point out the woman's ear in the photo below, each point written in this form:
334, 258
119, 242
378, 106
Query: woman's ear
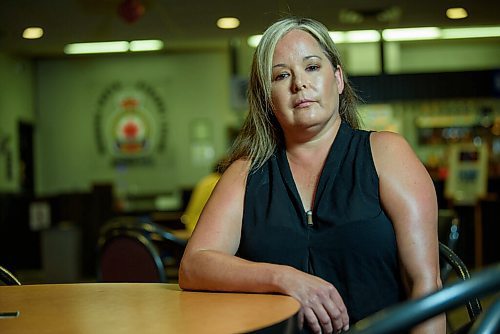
339, 76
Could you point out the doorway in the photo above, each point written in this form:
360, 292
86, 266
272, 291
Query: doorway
26, 160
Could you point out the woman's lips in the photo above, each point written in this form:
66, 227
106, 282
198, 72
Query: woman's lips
303, 103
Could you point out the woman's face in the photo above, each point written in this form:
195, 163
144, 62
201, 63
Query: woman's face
305, 87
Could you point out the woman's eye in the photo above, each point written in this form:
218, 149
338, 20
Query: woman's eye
280, 76
312, 67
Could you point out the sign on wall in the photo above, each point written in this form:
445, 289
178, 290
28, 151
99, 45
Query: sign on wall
130, 123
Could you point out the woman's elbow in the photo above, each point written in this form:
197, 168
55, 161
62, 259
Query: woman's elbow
425, 286
185, 279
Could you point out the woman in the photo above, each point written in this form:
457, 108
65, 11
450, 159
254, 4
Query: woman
341, 219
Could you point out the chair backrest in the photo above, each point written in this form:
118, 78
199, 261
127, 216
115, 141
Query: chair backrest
489, 321
143, 225
7, 278
406, 315
449, 257
169, 247
129, 256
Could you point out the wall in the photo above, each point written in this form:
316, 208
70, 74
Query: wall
193, 88
16, 104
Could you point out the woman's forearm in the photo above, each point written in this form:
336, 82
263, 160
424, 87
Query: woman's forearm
436, 325
216, 271
322, 305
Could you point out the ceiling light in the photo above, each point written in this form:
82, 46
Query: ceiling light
362, 36
391, 14
32, 33
350, 16
254, 40
355, 36
112, 47
456, 13
337, 36
228, 23
401, 35
97, 47
471, 32
411, 34
146, 45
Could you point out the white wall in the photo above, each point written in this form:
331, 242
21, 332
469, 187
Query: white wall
192, 86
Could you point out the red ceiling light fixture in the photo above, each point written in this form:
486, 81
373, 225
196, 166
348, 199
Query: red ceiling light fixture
131, 10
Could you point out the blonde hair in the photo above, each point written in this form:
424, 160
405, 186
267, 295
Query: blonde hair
261, 133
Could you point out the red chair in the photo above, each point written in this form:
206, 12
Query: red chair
129, 256
163, 248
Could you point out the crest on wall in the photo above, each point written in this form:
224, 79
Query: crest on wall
130, 123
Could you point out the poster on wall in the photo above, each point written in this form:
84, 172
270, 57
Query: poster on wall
130, 123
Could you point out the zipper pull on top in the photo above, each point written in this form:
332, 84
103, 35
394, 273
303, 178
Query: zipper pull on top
309, 215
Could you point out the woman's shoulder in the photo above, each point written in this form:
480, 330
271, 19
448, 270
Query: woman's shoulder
237, 169
391, 151
386, 141
230, 188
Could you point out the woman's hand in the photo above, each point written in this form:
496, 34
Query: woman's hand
323, 309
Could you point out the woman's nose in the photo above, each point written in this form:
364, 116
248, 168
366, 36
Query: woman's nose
298, 83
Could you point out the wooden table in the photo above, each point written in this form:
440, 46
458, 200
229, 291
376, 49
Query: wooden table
115, 308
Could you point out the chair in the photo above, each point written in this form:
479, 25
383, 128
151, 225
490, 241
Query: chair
166, 246
143, 225
448, 234
447, 256
129, 256
408, 314
7, 278
489, 321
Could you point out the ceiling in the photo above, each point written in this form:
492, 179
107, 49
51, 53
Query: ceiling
191, 23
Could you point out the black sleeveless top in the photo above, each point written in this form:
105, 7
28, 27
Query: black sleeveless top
351, 242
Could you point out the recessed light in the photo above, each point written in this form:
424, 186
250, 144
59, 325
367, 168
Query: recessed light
456, 13
32, 33
254, 40
228, 23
